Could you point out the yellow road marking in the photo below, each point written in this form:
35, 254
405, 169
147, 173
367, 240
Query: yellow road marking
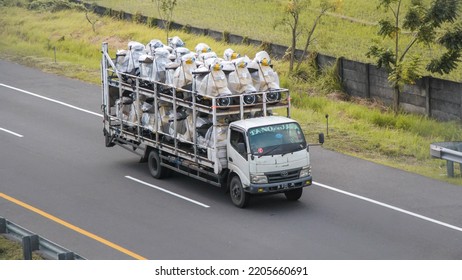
72, 227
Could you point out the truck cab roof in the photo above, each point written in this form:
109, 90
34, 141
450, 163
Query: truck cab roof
260, 121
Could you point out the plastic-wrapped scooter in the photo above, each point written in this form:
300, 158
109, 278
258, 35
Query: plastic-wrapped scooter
214, 83
176, 42
180, 75
264, 77
240, 80
153, 68
152, 46
135, 50
202, 48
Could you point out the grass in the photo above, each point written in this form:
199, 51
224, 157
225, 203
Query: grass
370, 132
348, 32
11, 250
356, 127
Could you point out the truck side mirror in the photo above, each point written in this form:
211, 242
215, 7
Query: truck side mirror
321, 138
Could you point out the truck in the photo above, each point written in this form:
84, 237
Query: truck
188, 121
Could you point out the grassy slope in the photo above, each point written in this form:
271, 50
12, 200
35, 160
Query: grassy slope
364, 131
10, 250
255, 19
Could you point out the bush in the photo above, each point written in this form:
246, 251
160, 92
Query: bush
10, 3
186, 28
383, 120
139, 18
54, 5
226, 36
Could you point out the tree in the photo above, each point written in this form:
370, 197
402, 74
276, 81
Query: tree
325, 6
428, 25
165, 9
91, 21
293, 10
291, 19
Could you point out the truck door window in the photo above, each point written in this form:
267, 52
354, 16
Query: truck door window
236, 138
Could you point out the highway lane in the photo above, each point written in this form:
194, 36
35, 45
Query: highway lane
62, 167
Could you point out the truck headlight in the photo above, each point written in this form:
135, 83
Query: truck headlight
258, 179
306, 171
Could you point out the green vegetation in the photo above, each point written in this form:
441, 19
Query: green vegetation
10, 250
425, 23
356, 127
348, 32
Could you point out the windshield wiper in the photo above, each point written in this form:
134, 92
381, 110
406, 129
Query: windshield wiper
269, 151
299, 148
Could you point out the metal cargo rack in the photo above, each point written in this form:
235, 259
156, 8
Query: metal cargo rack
138, 137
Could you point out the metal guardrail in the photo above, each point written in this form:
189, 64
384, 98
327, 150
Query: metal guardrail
33, 242
449, 151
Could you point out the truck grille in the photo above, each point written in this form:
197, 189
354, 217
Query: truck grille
283, 175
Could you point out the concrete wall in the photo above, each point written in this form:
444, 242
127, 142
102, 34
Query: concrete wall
437, 98
433, 97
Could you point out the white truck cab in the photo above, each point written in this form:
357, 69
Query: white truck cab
267, 155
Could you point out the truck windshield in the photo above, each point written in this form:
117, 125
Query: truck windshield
276, 139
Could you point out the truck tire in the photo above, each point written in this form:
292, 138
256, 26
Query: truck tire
294, 195
155, 167
238, 196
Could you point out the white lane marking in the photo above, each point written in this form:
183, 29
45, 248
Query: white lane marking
390, 207
52, 100
167, 191
11, 132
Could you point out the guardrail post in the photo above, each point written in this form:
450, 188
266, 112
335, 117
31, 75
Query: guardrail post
2, 225
450, 168
66, 256
29, 244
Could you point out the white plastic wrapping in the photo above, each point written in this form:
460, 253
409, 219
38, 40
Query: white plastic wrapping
121, 61
179, 53
183, 74
123, 107
202, 48
175, 42
202, 57
265, 78
214, 84
230, 55
147, 108
221, 132
181, 130
146, 66
135, 113
163, 118
135, 50
153, 45
148, 121
161, 59
240, 80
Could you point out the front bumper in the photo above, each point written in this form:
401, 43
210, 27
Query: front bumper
280, 186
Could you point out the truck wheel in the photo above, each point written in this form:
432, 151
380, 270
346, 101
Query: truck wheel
294, 195
156, 169
239, 197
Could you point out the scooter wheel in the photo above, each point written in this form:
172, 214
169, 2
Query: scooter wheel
249, 99
273, 96
224, 101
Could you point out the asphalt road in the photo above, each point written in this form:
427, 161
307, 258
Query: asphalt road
52, 157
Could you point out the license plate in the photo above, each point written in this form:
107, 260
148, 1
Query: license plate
286, 186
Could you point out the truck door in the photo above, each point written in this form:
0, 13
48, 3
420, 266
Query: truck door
238, 155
